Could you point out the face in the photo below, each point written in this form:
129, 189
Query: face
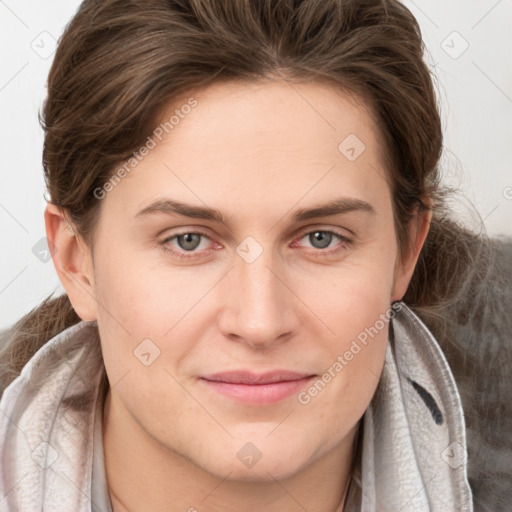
274, 292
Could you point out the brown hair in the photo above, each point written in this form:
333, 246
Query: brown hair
119, 62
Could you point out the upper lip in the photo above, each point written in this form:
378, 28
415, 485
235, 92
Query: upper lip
245, 377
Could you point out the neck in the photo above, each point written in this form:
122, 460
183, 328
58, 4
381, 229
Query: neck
144, 475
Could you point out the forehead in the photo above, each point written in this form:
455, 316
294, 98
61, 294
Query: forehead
254, 143
271, 115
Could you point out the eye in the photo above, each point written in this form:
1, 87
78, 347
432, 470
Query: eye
191, 243
182, 243
322, 240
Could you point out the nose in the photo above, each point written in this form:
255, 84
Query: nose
260, 309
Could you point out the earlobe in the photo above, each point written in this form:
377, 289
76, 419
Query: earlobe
404, 269
72, 260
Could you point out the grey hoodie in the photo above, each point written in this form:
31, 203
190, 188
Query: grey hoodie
413, 445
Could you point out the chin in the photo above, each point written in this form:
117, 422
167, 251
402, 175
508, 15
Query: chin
263, 472
259, 460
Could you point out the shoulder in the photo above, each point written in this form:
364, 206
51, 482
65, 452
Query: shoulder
475, 332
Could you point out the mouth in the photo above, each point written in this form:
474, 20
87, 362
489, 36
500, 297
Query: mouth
257, 389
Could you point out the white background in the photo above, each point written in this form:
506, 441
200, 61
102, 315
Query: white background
475, 88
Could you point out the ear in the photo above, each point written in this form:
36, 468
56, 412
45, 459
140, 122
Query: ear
417, 230
72, 259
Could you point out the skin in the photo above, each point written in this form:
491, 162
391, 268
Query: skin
258, 153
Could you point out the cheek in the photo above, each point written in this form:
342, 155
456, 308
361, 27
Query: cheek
353, 359
354, 305
146, 296
151, 314
350, 297
359, 321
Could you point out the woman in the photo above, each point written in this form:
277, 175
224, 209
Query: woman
246, 216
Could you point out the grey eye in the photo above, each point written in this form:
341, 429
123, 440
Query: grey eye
321, 238
188, 241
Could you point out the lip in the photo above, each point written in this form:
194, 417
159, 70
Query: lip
257, 389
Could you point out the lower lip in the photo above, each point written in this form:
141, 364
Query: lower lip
258, 394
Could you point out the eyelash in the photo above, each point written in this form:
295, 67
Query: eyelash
345, 241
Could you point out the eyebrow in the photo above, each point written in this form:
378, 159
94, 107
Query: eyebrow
334, 207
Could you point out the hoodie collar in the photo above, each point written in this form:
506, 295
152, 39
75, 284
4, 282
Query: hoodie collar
414, 443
